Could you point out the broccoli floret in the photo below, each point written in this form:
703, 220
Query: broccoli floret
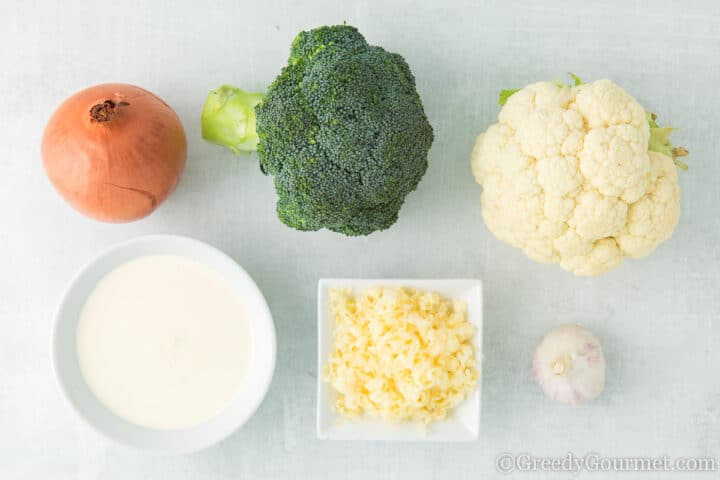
343, 132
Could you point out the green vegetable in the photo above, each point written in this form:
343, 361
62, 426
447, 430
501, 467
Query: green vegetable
228, 118
342, 130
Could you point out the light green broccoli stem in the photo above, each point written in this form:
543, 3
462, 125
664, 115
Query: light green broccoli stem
660, 142
228, 119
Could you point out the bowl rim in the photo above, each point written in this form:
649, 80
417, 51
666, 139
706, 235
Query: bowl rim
190, 446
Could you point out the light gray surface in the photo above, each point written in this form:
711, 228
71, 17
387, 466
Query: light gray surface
656, 318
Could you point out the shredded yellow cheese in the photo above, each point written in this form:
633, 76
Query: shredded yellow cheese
400, 354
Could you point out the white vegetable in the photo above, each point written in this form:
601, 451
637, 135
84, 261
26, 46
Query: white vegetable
568, 178
569, 365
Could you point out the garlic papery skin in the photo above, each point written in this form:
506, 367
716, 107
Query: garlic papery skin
569, 365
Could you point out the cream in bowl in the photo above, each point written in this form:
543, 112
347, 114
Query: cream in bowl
164, 343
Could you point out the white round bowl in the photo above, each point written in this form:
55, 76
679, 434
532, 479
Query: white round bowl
84, 402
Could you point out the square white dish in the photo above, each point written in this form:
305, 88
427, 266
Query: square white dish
463, 422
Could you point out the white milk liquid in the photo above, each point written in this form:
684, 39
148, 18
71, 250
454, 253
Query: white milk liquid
164, 342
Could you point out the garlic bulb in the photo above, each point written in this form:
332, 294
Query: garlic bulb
569, 365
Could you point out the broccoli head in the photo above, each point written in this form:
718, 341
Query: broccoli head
343, 132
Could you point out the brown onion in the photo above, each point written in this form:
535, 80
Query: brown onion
114, 151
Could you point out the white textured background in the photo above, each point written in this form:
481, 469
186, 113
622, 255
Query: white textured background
657, 318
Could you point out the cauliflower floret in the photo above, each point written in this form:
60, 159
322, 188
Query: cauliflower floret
602, 257
597, 216
652, 219
539, 96
568, 178
615, 160
559, 176
603, 104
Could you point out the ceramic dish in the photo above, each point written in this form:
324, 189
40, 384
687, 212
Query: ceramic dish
90, 409
462, 424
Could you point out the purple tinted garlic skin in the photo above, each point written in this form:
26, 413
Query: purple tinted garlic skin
569, 365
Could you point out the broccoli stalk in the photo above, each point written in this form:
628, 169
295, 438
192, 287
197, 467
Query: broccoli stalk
228, 119
342, 131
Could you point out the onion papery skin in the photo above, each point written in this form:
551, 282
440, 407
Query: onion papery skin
114, 151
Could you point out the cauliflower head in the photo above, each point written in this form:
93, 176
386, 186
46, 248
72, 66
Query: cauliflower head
568, 177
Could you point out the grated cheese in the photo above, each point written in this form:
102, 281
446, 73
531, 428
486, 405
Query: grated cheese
400, 354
